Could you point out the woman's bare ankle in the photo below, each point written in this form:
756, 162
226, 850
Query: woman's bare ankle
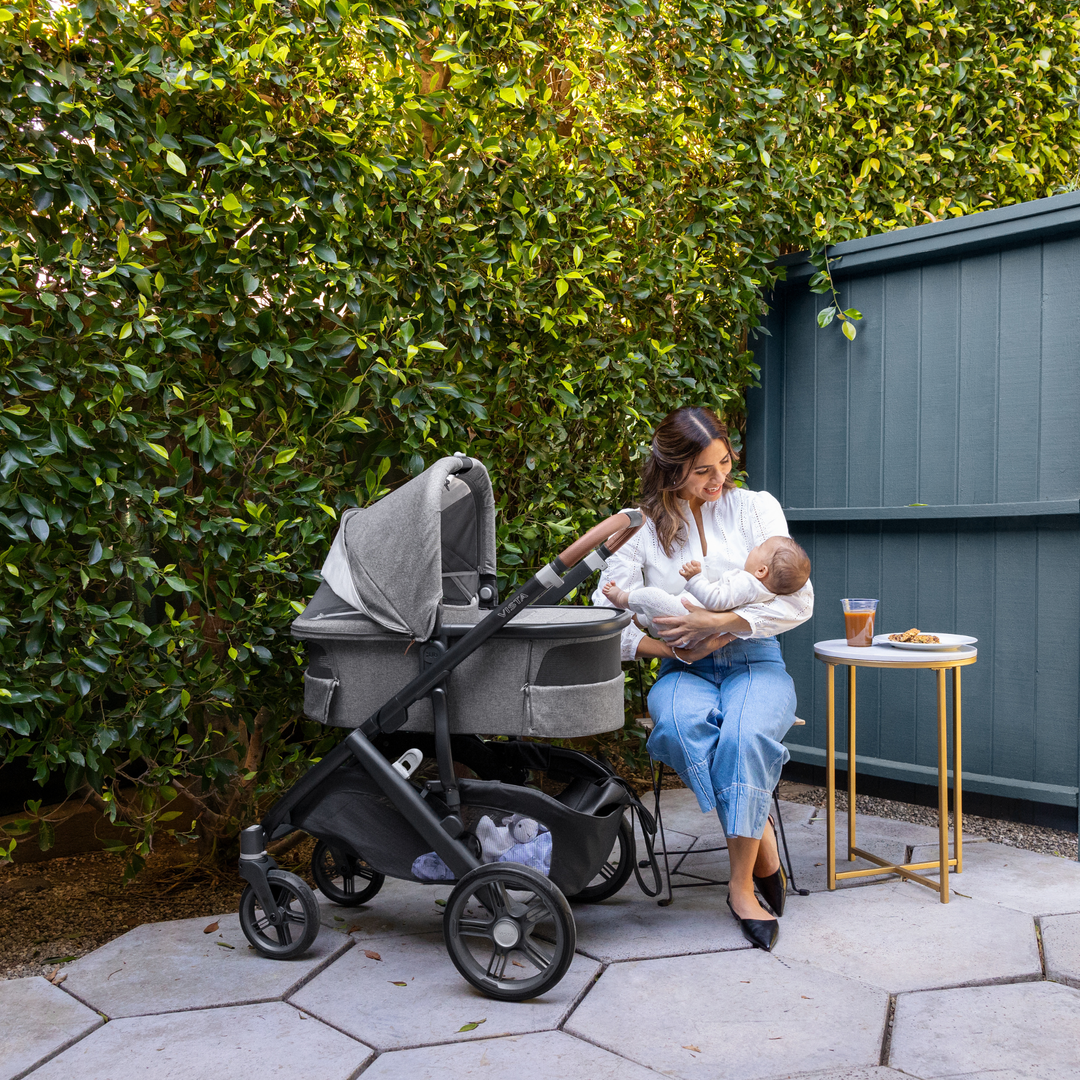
746, 905
768, 855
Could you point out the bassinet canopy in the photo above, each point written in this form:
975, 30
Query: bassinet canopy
428, 542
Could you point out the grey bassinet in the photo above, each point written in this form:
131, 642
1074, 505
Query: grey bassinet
426, 554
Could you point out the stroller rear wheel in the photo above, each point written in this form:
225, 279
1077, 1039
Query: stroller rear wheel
288, 931
613, 875
509, 931
358, 882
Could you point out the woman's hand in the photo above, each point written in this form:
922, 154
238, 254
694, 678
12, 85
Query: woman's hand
693, 630
699, 652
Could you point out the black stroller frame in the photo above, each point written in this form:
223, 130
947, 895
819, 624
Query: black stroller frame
510, 908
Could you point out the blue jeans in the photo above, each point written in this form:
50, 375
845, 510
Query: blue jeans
719, 722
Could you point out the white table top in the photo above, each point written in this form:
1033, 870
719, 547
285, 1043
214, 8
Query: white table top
886, 655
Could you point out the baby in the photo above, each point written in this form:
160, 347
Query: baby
776, 567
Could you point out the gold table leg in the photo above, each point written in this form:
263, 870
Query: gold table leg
830, 775
958, 802
943, 786
851, 765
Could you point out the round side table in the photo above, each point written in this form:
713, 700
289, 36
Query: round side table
837, 653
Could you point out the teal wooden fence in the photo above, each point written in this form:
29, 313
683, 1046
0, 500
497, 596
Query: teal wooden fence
960, 392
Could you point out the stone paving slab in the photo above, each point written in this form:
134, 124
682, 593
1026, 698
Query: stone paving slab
900, 937
733, 1016
633, 926
271, 1039
907, 832
681, 812
170, 966
876, 1072
1025, 880
1061, 947
1029, 1030
807, 848
399, 907
37, 1021
357, 995
548, 1055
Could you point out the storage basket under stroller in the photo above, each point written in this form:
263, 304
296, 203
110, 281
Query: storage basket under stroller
409, 649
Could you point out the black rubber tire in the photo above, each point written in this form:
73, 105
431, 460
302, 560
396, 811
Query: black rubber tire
615, 873
509, 899
359, 883
294, 934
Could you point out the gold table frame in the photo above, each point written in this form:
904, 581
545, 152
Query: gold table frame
941, 662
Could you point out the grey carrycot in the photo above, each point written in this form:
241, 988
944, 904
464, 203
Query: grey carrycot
411, 652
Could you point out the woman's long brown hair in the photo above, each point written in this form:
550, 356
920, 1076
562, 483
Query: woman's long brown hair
681, 436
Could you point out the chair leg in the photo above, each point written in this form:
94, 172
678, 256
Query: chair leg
783, 840
658, 780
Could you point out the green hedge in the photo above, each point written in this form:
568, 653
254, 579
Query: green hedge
260, 261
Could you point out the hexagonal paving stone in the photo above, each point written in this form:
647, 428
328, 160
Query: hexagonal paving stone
164, 967
399, 907
548, 1055
876, 1072
1029, 1030
632, 926
248, 1041
681, 812
1024, 880
37, 1021
900, 937
1061, 947
357, 994
806, 845
732, 1016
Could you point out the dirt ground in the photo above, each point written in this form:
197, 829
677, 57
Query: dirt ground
54, 911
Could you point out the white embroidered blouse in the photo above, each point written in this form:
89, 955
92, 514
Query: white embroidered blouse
733, 525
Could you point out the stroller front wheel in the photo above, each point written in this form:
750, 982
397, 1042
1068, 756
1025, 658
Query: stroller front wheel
509, 931
358, 884
288, 931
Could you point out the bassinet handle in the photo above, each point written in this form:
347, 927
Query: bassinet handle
612, 533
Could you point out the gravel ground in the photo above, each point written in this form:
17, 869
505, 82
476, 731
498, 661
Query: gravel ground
1012, 833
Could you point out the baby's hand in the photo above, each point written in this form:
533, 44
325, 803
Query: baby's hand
690, 569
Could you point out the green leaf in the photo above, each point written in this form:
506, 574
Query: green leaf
231, 203
175, 163
849, 330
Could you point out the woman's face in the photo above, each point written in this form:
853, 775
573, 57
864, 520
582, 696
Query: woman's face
705, 480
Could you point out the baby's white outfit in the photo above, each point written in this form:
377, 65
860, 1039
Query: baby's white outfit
733, 589
732, 525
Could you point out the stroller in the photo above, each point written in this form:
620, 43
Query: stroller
409, 647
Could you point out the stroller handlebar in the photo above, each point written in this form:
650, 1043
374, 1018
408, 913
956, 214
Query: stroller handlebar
612, 533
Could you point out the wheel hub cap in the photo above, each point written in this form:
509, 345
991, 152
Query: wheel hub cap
506, 934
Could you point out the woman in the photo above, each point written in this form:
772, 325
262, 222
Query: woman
723, 700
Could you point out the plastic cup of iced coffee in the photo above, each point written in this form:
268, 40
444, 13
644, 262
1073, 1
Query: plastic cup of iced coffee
859, 622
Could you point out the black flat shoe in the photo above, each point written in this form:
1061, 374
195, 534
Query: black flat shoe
773, 890
761, 933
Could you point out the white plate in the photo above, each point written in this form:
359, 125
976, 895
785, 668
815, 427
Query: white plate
948, 641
